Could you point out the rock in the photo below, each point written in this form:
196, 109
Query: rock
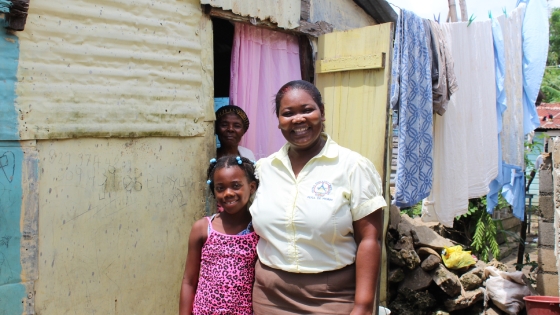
446, 280
465, 300
394, 217
477, 272
395, 275
410, 258
422, 234
424, 252
498, 265
412, 302
405, 242
470, 281
396, 258
430, 263
417, 280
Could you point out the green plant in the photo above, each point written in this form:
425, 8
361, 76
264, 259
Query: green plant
413, 211
480, 229
528, 262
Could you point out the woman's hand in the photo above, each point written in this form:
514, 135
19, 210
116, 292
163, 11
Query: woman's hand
368, 235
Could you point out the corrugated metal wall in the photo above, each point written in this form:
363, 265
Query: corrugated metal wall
286, 13
131, 83
111, 68
341, 14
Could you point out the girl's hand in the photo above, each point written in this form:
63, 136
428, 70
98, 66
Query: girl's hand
192, 267
361, 310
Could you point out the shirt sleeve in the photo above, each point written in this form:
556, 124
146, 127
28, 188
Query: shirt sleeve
367, 192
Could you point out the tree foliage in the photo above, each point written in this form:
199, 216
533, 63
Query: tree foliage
551, 85
554, 38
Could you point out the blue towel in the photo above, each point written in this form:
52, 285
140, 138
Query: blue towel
411, 94
514, 189
535, 53
500, 64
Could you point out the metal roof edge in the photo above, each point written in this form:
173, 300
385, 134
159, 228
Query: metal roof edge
380, 10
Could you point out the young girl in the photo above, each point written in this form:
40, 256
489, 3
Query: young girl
220, 267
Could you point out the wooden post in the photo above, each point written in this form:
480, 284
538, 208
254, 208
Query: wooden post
464, 13
452, 10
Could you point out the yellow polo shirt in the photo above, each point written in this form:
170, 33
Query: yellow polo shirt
305, 223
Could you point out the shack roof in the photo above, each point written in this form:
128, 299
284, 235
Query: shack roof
380, 10
549, 115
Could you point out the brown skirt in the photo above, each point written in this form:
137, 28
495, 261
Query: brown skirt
278, 292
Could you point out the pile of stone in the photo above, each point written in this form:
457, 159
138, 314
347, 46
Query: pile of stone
420, 283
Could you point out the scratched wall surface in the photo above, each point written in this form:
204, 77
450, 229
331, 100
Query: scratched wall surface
18, 226
115, 215
285, 13
120, 68
342, 14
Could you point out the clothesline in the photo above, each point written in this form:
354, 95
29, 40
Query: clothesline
474, 146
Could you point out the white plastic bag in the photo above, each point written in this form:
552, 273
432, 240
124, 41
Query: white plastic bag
506, 289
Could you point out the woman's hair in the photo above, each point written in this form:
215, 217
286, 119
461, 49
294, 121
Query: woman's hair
246, 165
224, 110
298, 85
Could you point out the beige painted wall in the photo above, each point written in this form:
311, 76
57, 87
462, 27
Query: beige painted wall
114, 220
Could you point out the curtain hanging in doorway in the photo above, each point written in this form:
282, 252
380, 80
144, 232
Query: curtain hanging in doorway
262, 61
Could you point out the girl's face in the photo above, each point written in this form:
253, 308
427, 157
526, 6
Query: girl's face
232, 189
300, 119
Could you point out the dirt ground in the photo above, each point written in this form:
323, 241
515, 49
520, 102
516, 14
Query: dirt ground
509, 249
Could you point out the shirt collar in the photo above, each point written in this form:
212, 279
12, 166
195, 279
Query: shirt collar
330, 150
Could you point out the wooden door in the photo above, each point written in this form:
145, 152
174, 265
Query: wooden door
353, 71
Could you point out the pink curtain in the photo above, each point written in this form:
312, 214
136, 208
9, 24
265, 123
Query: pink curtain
262, 61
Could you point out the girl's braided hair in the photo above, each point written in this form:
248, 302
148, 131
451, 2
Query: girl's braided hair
231, 161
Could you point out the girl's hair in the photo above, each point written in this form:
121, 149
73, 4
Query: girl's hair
231, 161
298, 85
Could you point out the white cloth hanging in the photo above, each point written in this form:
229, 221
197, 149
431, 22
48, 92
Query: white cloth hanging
465, 142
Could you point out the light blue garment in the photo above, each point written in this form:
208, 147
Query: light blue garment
411, 92
535, 53
500, 64
514, 189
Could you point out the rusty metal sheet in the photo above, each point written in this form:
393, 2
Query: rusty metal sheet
343, 15
113, 69
285, 13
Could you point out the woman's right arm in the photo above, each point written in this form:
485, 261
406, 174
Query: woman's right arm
192, 267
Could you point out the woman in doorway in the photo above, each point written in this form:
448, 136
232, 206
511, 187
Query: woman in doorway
317, 212
231, 124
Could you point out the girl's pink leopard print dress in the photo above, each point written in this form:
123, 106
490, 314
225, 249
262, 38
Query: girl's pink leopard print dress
227, 272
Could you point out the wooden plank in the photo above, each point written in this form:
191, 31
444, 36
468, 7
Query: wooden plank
357, 103
373, 61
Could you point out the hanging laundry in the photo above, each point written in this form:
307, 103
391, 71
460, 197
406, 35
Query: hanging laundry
446, 83
500, 64
512, 136
465, 138
535, 52
411, 94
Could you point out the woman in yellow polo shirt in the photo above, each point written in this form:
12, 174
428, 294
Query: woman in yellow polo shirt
317, 212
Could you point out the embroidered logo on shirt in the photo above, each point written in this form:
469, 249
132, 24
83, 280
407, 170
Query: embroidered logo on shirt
321, 188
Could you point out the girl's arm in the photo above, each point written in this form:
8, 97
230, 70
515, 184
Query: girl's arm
368, 235
192, 267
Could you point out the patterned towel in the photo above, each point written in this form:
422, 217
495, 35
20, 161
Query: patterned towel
411, 94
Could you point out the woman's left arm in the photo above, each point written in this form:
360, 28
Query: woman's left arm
368, 233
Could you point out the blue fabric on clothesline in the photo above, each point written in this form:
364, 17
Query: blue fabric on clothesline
514, 189
535, 53
500, 64
411, 94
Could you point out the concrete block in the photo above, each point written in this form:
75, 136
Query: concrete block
546, 205
545, 181
547, 284
547, 260
547, 233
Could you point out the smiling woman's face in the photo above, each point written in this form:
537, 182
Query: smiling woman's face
230, 130
300, 119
